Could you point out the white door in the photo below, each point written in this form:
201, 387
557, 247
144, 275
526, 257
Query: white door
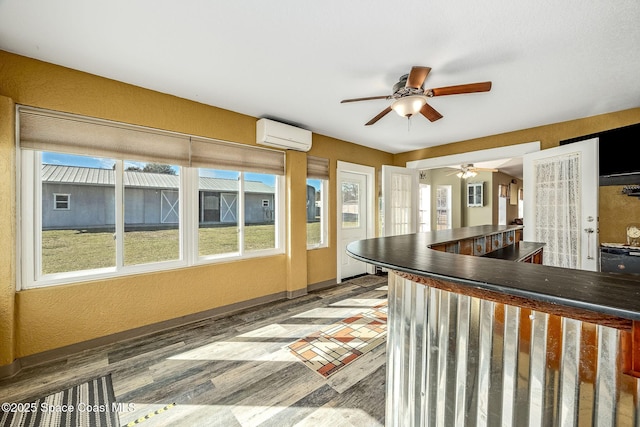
561, 203
400, 200
352, 208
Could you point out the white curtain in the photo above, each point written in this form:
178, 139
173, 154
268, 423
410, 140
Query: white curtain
557, 198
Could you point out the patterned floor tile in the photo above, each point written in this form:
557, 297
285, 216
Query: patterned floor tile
334, 346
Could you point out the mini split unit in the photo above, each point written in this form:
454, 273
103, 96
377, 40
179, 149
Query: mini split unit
281, 135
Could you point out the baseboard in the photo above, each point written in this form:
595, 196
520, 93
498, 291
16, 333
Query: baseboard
322, 285
296, 294
14, 368
7, 371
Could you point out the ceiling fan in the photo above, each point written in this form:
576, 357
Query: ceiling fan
409, 96
469, 171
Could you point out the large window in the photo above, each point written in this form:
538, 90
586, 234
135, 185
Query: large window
143, 200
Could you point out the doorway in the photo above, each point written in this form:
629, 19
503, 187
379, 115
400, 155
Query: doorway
355, 216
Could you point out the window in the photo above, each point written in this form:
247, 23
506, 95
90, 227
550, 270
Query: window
260, 231
151, 212
443, 207
474, 195
520, 203
317, 202
144, 200
77, 240
61, 202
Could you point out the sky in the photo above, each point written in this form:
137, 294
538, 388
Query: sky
102, 163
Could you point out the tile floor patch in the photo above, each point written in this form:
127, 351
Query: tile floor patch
334, 346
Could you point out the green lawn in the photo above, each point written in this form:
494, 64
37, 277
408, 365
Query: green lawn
72, 250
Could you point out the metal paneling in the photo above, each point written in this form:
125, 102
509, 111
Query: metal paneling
454, 360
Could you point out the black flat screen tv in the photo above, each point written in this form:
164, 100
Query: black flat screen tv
618, 163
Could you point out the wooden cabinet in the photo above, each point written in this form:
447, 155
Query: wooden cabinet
534, 258
501, 245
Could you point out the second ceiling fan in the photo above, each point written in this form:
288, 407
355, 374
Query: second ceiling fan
410, 97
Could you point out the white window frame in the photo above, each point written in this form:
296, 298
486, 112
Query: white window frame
324, 216
55, 201
30, 228
475, 194
241, 253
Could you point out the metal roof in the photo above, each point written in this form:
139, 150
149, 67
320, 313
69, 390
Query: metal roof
96, 176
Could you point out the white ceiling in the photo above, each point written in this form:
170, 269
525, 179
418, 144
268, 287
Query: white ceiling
294, 61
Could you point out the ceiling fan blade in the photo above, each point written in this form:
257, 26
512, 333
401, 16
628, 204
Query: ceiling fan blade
459, 89
430, 113
365, 99
417, 77
379, 116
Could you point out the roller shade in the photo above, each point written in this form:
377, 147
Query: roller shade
67, 133
208, 153
317, 168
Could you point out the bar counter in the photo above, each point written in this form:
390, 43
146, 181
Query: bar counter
478, 338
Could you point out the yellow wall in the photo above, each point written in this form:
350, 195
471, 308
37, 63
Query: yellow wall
7, 230
615, 210
37, 320
549, 136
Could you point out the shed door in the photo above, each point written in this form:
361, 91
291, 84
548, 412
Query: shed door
169, 207
229, 207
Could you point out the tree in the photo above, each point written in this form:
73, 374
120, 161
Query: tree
157, 168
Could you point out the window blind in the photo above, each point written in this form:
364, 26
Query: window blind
210, 153
317, 168
45, 130
71, 134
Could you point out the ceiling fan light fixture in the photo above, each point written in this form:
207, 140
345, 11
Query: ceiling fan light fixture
407, 106
466, 174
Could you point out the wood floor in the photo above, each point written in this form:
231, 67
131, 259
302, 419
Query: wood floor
232, 371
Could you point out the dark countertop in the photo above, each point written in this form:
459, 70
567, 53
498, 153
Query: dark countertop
516, 252
610, 294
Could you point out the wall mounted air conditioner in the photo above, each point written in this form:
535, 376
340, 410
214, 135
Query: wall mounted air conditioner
281, 135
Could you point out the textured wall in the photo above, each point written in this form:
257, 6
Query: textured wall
615, 212
7, 230
42, 318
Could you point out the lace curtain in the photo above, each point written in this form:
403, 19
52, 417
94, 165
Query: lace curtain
557, 199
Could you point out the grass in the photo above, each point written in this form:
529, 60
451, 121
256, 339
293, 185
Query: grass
73, 250
313, 233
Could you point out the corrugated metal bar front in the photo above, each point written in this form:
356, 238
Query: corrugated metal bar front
455, 360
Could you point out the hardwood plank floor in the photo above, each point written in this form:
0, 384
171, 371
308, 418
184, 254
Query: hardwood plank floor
233, 370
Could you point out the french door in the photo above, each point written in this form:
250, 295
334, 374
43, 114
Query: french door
400, 192
561, 203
